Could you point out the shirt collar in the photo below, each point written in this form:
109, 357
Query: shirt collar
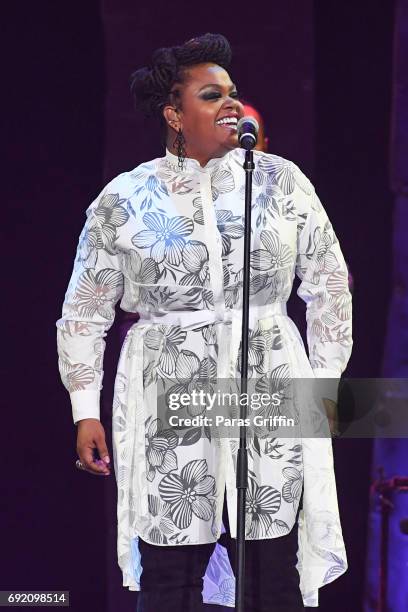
192, 165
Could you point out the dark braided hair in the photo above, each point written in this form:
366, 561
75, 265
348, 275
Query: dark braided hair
152, 87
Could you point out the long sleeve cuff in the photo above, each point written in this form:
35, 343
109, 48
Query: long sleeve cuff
85, 404
329, 388
326, 373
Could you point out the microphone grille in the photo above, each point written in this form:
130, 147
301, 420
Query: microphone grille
245, 120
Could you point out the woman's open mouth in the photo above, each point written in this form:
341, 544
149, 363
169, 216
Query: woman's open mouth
229, 123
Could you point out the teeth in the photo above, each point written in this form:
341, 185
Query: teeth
231, 120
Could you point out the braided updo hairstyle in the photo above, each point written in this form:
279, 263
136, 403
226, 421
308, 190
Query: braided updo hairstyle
151, 87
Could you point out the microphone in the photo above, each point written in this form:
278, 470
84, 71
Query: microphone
247, 128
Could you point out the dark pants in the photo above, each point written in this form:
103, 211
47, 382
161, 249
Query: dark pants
172, 576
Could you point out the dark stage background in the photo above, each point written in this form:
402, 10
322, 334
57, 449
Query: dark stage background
320, 72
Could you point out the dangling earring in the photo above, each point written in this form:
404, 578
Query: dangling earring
181, 152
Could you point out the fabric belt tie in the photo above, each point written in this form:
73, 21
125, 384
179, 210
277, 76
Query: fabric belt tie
227, 354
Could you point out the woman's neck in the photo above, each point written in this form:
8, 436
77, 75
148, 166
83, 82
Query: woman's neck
199, 157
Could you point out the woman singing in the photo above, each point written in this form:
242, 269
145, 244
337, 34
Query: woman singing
167, 240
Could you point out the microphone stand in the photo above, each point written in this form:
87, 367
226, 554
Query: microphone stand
242, 458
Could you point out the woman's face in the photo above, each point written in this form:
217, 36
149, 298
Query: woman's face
208, 113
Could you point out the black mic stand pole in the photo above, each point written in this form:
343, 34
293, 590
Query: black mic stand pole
242, 459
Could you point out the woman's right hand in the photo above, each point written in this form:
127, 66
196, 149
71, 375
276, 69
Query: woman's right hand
91, 437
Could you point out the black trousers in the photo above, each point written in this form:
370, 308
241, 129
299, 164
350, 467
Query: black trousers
172, 576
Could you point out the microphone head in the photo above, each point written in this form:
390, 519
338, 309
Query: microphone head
247, 128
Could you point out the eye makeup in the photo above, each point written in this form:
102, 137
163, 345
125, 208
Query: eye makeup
216, 95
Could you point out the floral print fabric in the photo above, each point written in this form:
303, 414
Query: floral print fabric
169, 245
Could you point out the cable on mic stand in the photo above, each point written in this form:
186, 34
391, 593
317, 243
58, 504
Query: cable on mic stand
247, 134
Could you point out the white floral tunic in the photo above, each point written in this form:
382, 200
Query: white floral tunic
169, 244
